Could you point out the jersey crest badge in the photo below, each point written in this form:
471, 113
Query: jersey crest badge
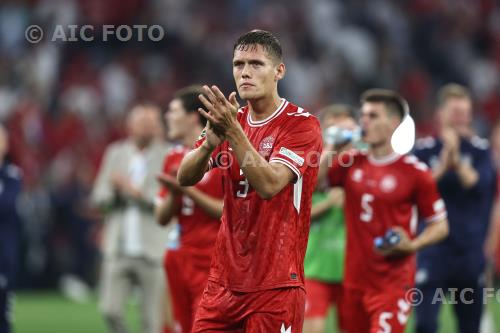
266, 146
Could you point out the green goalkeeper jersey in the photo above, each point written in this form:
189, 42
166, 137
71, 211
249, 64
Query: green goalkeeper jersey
326, 247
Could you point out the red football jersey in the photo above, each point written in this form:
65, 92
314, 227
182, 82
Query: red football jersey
198, 230
262, 243
381, 194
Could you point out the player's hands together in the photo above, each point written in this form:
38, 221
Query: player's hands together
221, 111
403, 248
169, 182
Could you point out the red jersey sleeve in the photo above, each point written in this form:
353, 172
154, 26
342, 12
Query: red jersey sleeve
300, 147
430, 206
338, 165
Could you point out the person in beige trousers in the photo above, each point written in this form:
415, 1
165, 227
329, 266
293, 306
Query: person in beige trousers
133, 243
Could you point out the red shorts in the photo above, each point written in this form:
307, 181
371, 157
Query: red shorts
320, 295
187, 278
274, 310
375, 312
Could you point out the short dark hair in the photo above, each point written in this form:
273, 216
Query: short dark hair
394, 102
260, 37
337, 110
190, 100
452, 90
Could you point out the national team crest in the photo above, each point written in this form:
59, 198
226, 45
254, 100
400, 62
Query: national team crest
266, 145
388, 183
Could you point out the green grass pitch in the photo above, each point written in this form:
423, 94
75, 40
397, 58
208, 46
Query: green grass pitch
48, 312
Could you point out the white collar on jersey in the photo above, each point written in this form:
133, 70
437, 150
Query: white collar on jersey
385, 160
254, 123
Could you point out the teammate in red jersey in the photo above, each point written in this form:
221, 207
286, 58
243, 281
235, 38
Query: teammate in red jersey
382, 189
198, 210
269, 155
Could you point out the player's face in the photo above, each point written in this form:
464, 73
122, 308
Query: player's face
376, 124
177, 120
255, 72
457, 114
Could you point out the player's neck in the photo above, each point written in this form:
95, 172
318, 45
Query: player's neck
382, 150
262, 108
190, 139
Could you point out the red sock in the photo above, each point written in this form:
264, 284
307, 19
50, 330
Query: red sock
166, 329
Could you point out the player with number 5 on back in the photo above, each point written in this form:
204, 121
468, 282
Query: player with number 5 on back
269, 152
384, 191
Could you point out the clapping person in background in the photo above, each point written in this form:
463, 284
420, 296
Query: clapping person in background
125, 190
462, 165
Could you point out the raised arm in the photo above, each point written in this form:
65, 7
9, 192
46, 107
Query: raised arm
266, 178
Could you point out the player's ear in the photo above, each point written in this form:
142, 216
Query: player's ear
280, 72
194, 117
395, 122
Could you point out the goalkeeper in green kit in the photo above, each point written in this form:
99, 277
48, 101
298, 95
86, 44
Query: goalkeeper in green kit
324, 261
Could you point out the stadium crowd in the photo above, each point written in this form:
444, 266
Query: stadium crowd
63, 102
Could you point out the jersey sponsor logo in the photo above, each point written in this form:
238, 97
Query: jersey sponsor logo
388, 183
291, 155
266, 145
285, 330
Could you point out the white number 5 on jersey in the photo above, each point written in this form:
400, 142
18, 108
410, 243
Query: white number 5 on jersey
244, 186
366, 207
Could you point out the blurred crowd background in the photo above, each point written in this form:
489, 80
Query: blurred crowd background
63, 102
